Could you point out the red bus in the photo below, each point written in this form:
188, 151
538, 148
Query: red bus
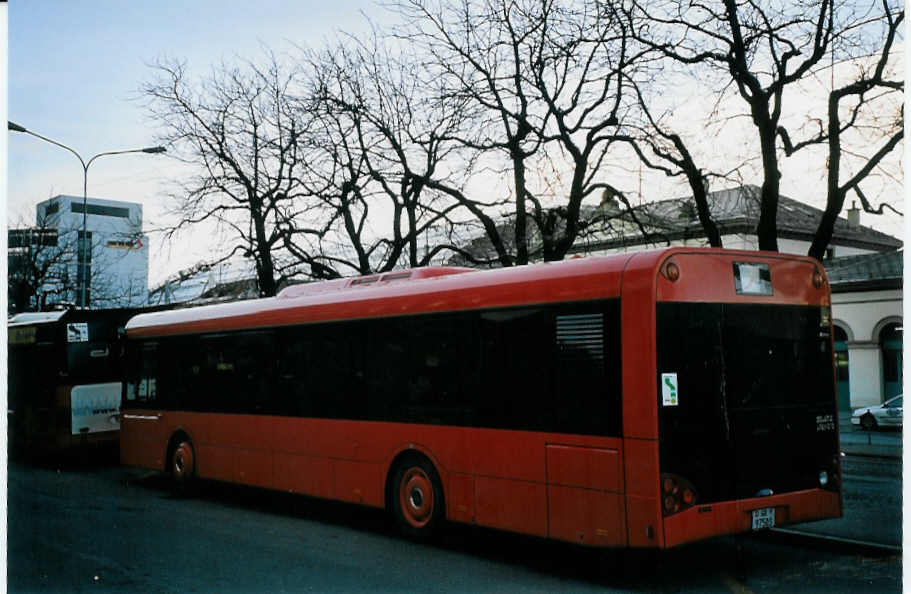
637, 400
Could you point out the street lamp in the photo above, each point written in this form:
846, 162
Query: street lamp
13, 127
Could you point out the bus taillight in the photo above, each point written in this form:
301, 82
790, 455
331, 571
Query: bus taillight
677, 494
829, 478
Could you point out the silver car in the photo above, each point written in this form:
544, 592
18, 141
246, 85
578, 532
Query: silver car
887, 414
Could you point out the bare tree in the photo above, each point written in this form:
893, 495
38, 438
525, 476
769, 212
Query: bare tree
871, 95
384, 176
240, 136
469, 50
544, 85
762, 50
662, 149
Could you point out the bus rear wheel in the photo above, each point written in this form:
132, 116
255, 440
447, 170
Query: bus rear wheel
182, 463
417, 498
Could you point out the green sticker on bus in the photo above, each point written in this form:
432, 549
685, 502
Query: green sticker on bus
669, 389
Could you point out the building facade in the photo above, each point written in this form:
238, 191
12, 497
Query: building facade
867, 314
110, 262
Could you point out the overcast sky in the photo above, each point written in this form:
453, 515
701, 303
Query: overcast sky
74, 71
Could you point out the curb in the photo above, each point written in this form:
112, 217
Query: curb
880, 451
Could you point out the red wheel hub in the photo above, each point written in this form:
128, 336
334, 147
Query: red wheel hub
416, 497
183, 463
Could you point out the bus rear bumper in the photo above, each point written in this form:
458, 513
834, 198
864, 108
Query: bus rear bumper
716, 519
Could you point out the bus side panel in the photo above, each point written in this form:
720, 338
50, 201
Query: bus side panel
309, 475
584, 500
253, 466
586, 516
640, 405
640, 402
360, 482
143, 439
519, 506
508, 454
459, 494
643, 508
510, 493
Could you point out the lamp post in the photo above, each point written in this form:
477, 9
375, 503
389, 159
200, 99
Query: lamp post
85, 193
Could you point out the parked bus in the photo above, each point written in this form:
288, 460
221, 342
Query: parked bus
637, 400
64, 385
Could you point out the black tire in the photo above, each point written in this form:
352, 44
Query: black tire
868, 422
416, 498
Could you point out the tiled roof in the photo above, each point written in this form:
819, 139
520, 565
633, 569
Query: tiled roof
736, 211
883, 266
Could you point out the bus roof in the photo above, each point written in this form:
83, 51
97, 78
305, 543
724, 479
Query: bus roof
428, 291
35, 317
433, 290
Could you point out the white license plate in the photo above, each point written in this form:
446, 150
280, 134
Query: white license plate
763, 518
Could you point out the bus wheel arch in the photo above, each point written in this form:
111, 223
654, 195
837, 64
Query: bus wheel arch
414, 494
181, 459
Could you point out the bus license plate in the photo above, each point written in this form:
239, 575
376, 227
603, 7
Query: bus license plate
763, 518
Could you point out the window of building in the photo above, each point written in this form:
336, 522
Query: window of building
84, 267
841, 354
105, 211
890, 340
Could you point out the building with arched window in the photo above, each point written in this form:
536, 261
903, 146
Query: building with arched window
867, 313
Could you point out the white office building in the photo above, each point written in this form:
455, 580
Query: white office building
115, 270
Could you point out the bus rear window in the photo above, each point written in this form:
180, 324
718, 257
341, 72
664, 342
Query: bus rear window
754, 397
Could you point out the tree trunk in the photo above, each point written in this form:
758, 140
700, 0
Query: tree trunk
767, 229
521, 222
265, 269
835, 198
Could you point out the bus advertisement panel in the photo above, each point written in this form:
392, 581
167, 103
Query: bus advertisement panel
637, 400
95, 408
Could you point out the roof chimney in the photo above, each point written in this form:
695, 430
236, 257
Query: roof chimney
609, 202
854, 214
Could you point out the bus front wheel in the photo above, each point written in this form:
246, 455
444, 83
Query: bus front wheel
417, 499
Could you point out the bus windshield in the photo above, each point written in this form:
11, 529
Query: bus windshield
755, 397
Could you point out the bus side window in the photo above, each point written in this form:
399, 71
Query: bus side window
131, 372
436, 386
237, 372
255, 369
218, 384
586, 389
516, 380
183, 373
292, 390
389, 376
338, 373
146, 380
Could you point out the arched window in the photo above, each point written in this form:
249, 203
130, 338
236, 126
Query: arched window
842, 374
890, 342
